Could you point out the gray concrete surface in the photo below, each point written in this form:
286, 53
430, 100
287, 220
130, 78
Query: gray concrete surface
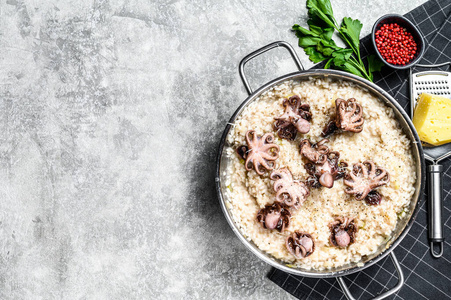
110, 117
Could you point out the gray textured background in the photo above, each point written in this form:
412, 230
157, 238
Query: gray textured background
110, 117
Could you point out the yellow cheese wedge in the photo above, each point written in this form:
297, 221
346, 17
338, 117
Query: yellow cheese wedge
432, 119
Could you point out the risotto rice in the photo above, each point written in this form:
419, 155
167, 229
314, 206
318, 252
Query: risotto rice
381, 141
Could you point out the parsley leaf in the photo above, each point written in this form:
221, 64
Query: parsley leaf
314, 54
348, 67
374, 63
341, 56
322, 10
327, 48
350, 30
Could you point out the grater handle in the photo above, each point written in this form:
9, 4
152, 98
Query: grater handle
434, 66
435, 230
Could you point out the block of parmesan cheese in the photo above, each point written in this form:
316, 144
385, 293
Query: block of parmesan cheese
432, 119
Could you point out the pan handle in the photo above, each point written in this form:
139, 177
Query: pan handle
396, 288
435, 228
261, 51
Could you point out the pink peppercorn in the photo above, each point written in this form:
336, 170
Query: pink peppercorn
395, 44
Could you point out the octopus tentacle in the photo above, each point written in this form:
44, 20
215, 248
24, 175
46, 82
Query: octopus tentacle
382, 175
371, 168
269, 148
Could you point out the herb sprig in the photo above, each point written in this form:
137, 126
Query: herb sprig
319, 46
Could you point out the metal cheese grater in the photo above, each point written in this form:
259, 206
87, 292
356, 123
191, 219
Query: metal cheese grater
439, 83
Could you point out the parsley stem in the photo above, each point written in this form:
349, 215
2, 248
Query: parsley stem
360, 67
356, 51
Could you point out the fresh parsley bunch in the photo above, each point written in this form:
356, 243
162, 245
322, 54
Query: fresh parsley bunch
319, 45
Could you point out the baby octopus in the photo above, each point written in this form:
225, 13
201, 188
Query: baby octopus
343, 231
324, 167
261, 153
348, 117
289, 192
364, 178
274, 216
295, 118
300, 244
317, 153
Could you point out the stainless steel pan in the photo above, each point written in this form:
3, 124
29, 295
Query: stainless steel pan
402, 226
